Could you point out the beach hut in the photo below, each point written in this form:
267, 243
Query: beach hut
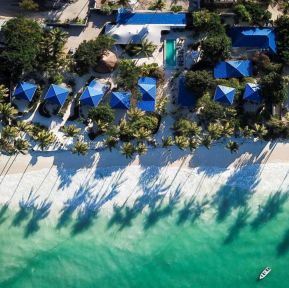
252, 93
56, 94
224, 94
148, 89
233, 69
120, 100
261, 38
25, 90
93, 93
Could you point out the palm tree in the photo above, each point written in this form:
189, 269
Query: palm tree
21, 146
7, 112
124, 129
186, 127
215, 130
5, 145
207, 141
182, 142
45, 138
127, 149
70, 131
168, 141
246, 132
80, 148
260, 131
10, 132
146, 48
228, 130
25, 127
4, 93
111, 142
193, 144
142, 134
158, 5
232, 146
141, 149
134, 114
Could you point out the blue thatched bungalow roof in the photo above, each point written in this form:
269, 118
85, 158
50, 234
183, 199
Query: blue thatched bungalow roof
254, 37
148, 90
93, 93
233, 69
120, 100
186, 97
224, 94
25, 90
252, 93
56, 94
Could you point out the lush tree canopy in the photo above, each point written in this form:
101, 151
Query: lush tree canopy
199, 81
216, 48
22, 37
89, 53
282, 29
274, 88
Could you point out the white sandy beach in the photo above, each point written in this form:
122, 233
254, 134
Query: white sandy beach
56, 180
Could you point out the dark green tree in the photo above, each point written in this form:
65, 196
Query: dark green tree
282, 31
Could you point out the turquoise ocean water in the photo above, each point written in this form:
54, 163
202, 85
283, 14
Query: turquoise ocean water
161, 247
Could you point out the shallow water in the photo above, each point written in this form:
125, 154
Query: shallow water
160, 247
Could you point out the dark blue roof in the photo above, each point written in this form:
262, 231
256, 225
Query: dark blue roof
186, 97
224, 94
254, 37
93, 93
120, 100
25, 90
252, 93
148, 106
148, 88
233, 69
56, 94
139, 18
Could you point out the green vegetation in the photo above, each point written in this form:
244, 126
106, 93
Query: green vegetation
145, 48
29, 5
158, 5
90, 52
282, 30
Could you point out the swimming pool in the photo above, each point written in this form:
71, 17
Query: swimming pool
170, 53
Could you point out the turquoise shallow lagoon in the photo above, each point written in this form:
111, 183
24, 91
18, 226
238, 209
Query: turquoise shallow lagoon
161, 247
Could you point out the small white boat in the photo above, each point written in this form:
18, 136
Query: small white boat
264, 273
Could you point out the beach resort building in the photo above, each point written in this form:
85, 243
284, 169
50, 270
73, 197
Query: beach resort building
254, 38
233, 69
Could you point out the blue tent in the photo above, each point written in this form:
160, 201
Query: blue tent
148, 106
252, 93
186, 98
93, 93
148, 88
254, 37
224, 94
120, 100
233, 69
25, 90
56, 94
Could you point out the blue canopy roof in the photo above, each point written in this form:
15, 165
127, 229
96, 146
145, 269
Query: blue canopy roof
233, 69
252, 93
25, 90
224, 94
148, 106
148, 88
125, 17
254, 37
93, 93
120, 100
186, 97
56, 94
